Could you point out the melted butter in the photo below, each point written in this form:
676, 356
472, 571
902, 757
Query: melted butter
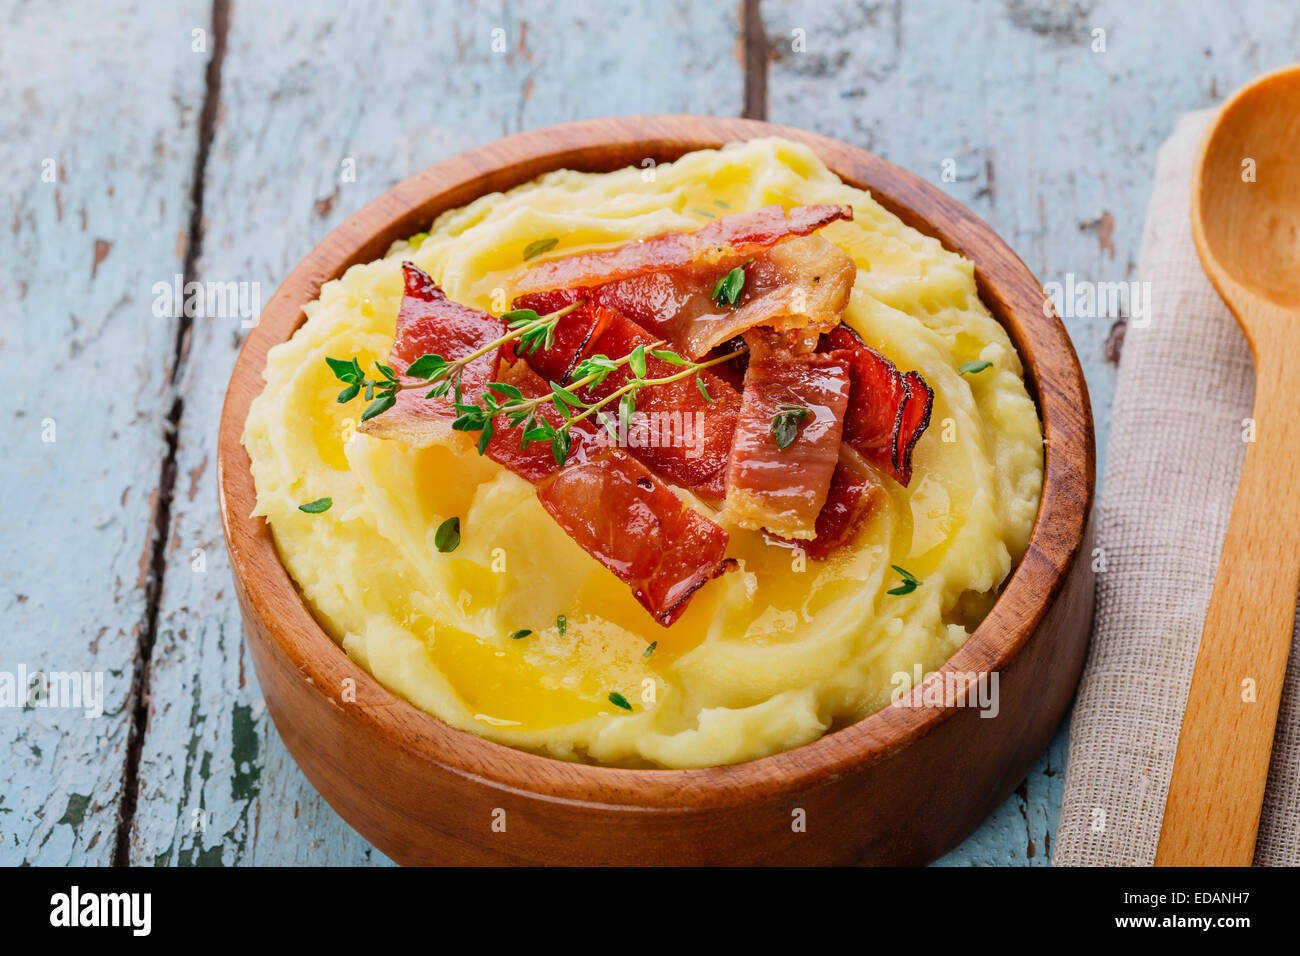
932, 519
332, 424
497, 685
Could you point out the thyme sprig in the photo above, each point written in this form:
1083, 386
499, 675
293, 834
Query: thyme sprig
524, 326
529, 332
504, 400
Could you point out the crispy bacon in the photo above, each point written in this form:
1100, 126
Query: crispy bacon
888, 411
854, 496
430, 323
783, 490
612, 505
724, 240
665, 285
636, 527
677, 431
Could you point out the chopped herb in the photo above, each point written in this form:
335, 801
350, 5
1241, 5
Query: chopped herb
726, 291
785, 424
447, 538
538, 246
417, 240
651, 649
971, 368
317, 506
721, 204
519, 634
699, 383
561, 624
618, 700
909, 584
705, 213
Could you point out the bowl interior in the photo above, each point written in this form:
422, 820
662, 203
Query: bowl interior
1006, 286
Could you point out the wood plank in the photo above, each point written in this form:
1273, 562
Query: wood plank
416, 85
98, 140
1053, 144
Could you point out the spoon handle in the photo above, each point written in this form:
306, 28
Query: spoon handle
1216, 792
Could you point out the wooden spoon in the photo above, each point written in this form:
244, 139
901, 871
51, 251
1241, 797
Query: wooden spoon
1246, 224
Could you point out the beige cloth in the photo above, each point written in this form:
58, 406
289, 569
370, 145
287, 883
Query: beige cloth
1185, 384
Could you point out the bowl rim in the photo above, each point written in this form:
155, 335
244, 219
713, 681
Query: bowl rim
1006, 286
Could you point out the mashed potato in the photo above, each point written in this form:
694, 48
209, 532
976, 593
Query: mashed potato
765, 658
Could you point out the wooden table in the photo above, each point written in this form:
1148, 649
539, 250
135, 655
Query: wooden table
217, 141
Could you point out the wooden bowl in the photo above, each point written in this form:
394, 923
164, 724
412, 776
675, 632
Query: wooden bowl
902, 786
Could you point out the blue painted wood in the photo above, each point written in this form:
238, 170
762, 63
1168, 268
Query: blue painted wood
97, 149
1050, 140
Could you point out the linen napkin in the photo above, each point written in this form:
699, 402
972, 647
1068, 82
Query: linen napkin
1185, 387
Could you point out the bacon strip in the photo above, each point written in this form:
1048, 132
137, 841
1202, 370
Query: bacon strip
853, 497
430, 323
888, 411
665, 285
733, 237
783, 490
677, 431
611, 504
636, 527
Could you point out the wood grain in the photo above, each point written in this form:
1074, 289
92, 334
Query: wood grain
81, 251
383, 763
1245, 229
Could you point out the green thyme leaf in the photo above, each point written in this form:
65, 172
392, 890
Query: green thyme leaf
519, 317
650, 649
618, 700
909, 584
344, 371
726, 291
785, 424
669, 356
538, 246
560, 446
387, 372
597, 365
699, 383
565, 397
447, 538
520, 634
417, 240
561, 624
502, 388
380, 405
317, 506
349, 393
636, 361
626, 408
485, 436
426, 366
972, 368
